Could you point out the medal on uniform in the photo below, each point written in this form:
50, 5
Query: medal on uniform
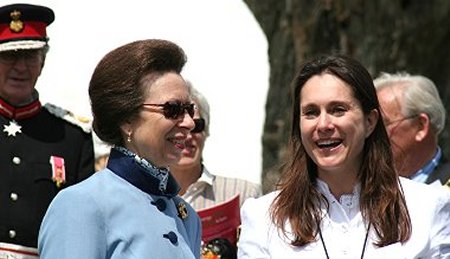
182, 210
13, 128
58, 170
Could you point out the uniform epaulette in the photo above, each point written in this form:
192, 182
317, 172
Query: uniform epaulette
82, 122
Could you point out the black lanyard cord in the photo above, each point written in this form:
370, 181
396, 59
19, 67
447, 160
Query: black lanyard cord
325, 247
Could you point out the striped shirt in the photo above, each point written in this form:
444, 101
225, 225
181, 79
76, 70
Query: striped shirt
212, 189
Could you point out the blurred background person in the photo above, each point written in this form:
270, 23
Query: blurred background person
130, 209
43, 148
101, 151
204, 190
414, 117
199, 187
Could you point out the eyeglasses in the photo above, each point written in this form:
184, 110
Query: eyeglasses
388, 123
31, 57
174, 109
199, 125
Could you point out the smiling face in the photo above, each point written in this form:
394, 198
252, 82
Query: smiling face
332, 124
154, 137
194, 144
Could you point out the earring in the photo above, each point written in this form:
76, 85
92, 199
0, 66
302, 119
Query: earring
129, 137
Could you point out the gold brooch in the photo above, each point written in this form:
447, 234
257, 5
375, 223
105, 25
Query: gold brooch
182, 210
16, 25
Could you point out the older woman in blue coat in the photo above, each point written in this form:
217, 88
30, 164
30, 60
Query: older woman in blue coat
130, 209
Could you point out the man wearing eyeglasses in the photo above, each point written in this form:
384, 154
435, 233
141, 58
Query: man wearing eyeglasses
414, 116
43, 148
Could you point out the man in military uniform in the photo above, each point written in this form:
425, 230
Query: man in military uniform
42, 148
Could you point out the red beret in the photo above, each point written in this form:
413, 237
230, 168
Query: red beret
23, 26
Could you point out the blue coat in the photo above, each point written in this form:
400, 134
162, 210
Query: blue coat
119, 215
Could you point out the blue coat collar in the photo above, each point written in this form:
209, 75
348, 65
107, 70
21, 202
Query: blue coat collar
130, 170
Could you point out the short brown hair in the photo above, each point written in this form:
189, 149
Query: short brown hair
116, 87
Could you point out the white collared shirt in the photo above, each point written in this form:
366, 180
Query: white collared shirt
344, 231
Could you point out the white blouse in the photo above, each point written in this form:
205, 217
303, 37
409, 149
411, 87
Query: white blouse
344, 232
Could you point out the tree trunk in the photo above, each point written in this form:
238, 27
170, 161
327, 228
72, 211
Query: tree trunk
384, 35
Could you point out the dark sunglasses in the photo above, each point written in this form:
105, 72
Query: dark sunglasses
199, 125
174, 109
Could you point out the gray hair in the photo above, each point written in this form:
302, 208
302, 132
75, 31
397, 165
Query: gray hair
202, 104
419, 96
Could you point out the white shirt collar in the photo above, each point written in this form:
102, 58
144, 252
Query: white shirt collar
206, 176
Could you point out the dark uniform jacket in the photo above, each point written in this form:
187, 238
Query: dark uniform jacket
27, 183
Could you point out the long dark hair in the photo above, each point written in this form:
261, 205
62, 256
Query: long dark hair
381, 200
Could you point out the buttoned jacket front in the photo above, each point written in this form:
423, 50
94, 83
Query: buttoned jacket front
27, 185
106, 216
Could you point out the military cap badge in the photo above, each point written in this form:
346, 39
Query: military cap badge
24, 26
16, 25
